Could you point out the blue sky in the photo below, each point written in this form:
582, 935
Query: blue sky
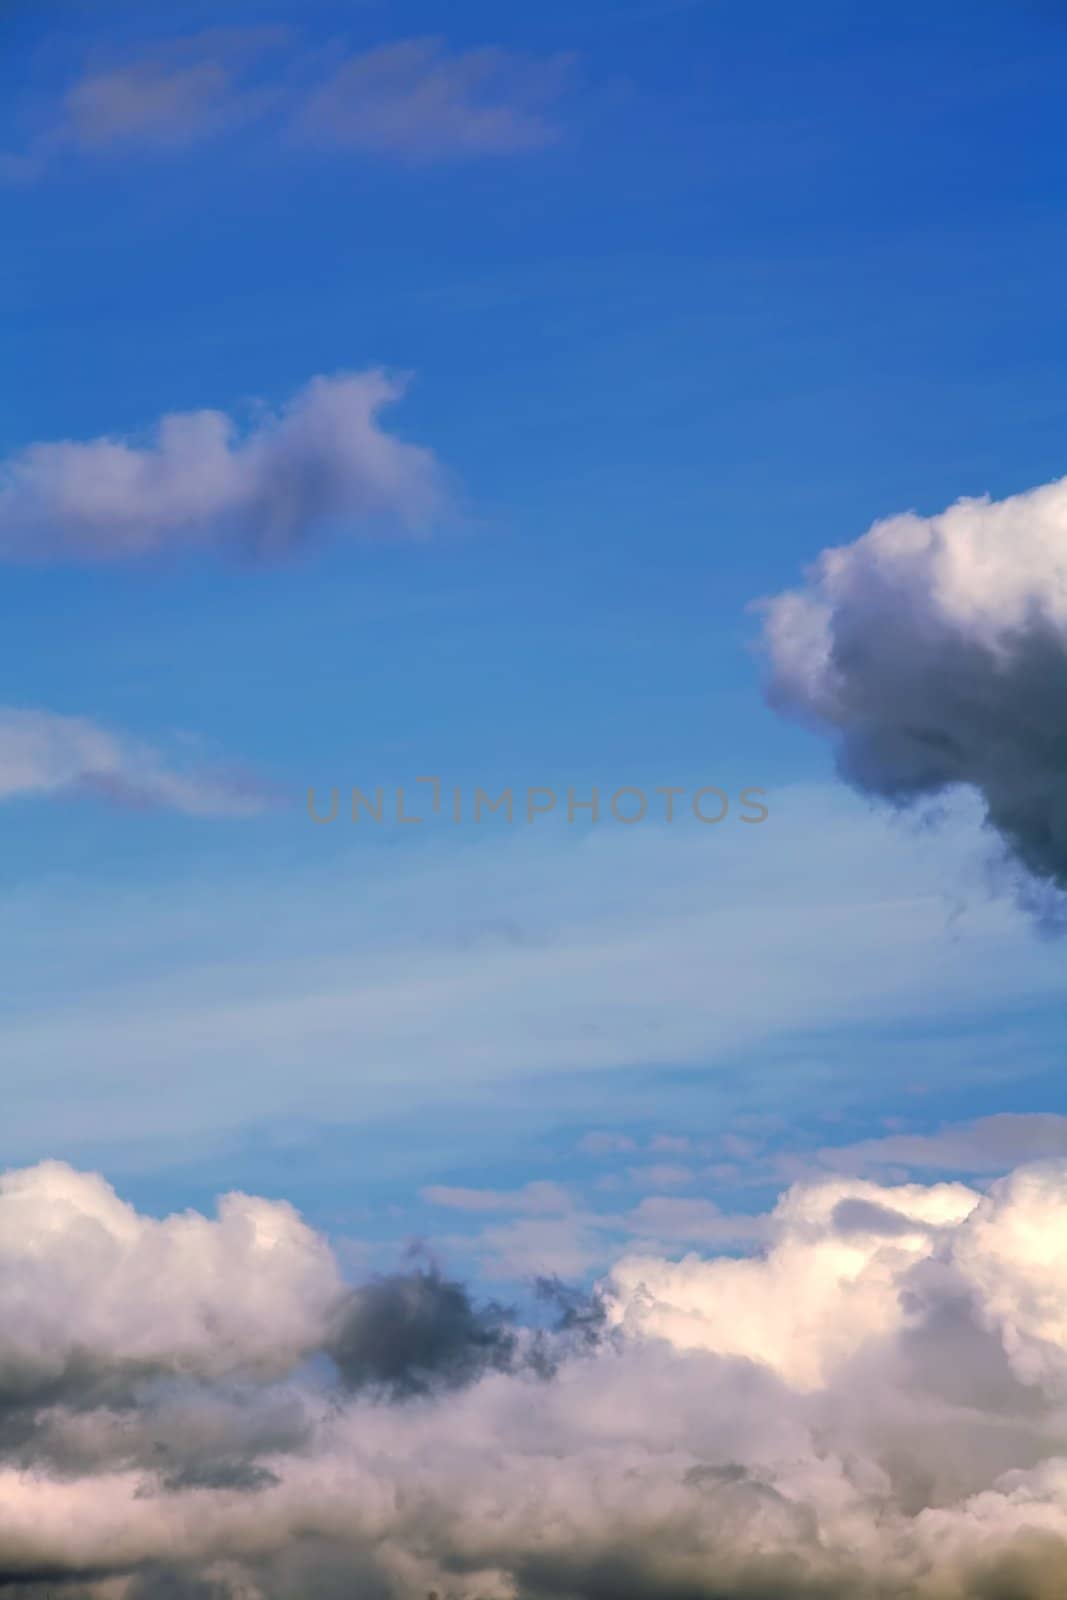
727, 284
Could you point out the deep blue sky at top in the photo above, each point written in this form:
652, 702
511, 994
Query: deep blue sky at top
786, 269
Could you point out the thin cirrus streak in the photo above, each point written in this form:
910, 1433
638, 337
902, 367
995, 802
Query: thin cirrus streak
875, 1403
45, 754
416, 100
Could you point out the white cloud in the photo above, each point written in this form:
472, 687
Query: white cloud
321, 464
42, 753
933, 651
86, 1278
874, 1405
814, 1299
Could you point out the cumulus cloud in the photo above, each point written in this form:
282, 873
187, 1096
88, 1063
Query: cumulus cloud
874, 1404
933, 651
416, 99
88, 1282
822, 1290
320, 464
42, 753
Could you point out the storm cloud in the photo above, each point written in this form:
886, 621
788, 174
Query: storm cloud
200, 1408
933, 652
408, 1333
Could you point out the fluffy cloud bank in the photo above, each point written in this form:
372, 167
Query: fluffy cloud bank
42, 753
876, 1405
934, 651
322, 463
89, 1282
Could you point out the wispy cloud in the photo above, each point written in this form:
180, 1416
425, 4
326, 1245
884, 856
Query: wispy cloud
548, 1231
537, 1198
42, 753
173, 95
321, 463
988, 1144
663, 1174
605, 1143
812, 940
529, 1247
674, 1219
671, 1143
419, 100
414, 99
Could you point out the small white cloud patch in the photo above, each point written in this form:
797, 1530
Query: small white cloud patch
323, 463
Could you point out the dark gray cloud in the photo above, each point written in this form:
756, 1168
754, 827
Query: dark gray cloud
933, 652
580, 1314
225, 1473
309, 1568
412, 1332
